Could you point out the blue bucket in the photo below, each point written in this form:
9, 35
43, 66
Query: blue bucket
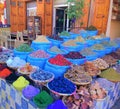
66, 38
58, 71
22, 55
74, 35
108, 50
40, 62
72, 48
41, 46
77, 61
57, 105
92, 57
90, 42
53, 54
55, 42
100, 53
106, 39
92, 33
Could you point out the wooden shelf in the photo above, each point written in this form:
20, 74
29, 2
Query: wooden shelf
117, 3
116, 10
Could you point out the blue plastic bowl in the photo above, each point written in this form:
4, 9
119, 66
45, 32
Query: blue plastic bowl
77, 61
92, 57
55, 42
58, 71
22, 55
71, 48
100, 53
108, 50
41, 46
106, 39
92, 33
57, 105
54, 53
40, 62
74, 35
90, 42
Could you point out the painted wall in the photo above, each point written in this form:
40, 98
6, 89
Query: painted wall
113, 26
8, 11
59, 2
115, 29
31, 8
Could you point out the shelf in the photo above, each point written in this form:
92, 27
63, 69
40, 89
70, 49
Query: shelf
117, 3
116, 10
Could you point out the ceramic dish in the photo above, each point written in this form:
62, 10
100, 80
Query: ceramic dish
60, 94
78, 81
34, 68
39, 82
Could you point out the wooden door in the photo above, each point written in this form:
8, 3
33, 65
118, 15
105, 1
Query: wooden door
17, 15
44, 10
48, 16
83, 22
13, 15
1, 10
100, 14
21, 16
41, 13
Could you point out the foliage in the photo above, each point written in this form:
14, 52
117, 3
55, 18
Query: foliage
75, 9
91, 28
64, 33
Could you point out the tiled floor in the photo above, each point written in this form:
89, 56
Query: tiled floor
117, 105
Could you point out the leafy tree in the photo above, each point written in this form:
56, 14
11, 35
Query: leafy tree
75, 10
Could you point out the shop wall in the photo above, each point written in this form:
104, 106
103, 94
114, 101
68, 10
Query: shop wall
113, 26
115, 29
31, 8
8, 11
59, 2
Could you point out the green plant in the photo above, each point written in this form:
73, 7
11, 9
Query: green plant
75, 9
64, 33
91, 28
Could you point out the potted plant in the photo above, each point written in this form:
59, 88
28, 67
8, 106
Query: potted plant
75, 11
92, 30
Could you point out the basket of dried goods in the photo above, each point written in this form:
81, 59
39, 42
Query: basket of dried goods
27, 69
101, 64
15, 62
80, 100
62, 86
97, 92
91, 69
78, 76
110, 60
42, 77
111, 75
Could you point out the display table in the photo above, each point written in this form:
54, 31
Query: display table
10, 98
109, 101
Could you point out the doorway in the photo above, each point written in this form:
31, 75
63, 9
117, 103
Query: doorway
60, 22
115, 19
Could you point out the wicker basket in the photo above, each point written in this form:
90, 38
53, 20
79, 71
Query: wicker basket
79, 83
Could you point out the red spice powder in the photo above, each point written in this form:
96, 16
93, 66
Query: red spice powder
59, 60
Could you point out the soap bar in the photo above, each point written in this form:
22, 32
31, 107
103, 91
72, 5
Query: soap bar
30, 91
20, 83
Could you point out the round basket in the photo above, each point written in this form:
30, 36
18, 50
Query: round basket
61, 94
27, 73
13, 68
79, 83
96, 74
2, 62
42, 82
102, 98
